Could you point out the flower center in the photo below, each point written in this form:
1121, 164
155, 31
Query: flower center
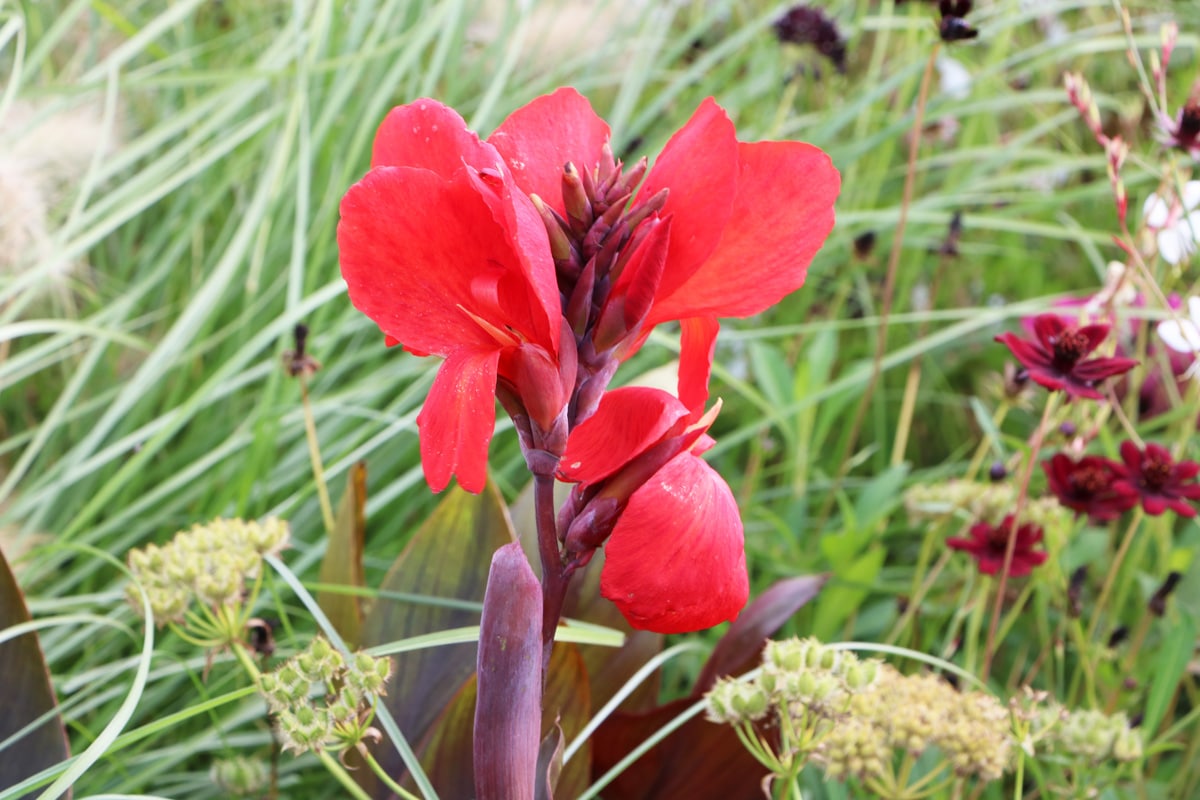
998, 537
1069, 347
1155, 472
1088, 481
1189, 124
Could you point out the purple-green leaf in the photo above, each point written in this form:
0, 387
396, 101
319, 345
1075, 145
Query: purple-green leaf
343, 561
28, 695
448, 557
740, 648
508, 708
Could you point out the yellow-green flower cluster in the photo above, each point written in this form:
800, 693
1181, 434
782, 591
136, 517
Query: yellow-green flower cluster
799, 676
972, 730
209, 563
240, 776
1091, 736
351, 687
987, 502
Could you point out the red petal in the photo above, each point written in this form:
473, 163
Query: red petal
1132, 456
1047, 327
540, 137
675, 561
457, 420
699, 165
627, 422
697, 346
429, 135
1030, 354
422, 255
781, 215
1095, 335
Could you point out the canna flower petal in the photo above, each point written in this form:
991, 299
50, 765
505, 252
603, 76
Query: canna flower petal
458, 418
699, 167
675, 562
697, 348
428, 135
782, 213
628, 422
537, 139
429, 275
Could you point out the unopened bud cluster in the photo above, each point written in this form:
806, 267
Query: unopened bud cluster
351, 687
240, 776
984, 501
1090, 736
209, 563
800, 677
913, 713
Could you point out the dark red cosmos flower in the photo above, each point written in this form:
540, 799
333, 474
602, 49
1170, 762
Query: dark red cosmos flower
988, 543
674, 559
1157, 479
1057, 357
1088, 486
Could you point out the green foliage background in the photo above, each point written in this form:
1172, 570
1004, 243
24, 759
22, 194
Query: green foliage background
144, 392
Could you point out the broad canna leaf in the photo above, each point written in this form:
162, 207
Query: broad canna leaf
448, 749
447, 558
30, 725
718, 765
508, 712
699, 761
741, 647
343, 561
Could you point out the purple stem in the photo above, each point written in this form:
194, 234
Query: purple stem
554, 575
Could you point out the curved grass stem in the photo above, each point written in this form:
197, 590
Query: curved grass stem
1035, 447
889, 286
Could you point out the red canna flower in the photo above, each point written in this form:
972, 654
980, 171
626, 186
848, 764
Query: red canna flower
735, 233
447, 258
674, 559
1088, 486
1057, 358
988, 543
531, 261
1157, 479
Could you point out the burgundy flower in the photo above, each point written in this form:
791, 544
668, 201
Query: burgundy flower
1154, 395
988, 544
1183, 132
805, 25
1087, 486
1057, 357
1155, 477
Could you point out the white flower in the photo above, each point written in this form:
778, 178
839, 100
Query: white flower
1183, 335
1177, 224
954, 79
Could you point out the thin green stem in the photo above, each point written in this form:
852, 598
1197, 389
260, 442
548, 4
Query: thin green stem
1111, 578
889, 285
1035, 447
314, 454
379, 771
342, 777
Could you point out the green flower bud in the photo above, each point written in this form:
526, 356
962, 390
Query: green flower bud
240, 776
749, 701
1127, 745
